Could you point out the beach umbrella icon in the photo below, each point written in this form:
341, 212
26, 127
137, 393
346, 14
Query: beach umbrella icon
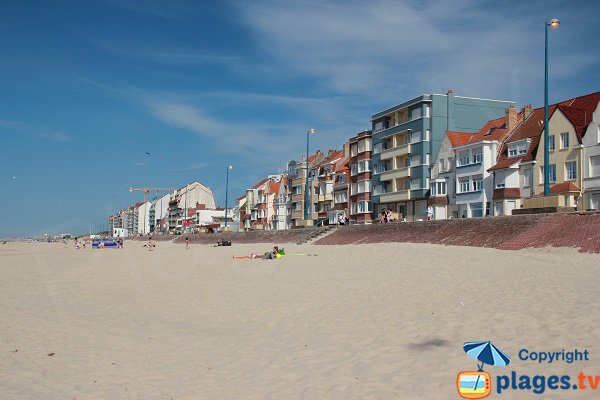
487, 353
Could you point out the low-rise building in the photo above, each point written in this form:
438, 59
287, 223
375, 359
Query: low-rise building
591, 162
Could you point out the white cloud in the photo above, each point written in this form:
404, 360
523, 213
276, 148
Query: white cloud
390, 50
34, 131
192, 167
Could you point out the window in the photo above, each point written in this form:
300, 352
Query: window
415, 184
527, 178
438, 189
354, 169
363, 166
552, 173
363, 186
292, 170
341, 197
477, 184
354, 188
297, 189
353, 150
477, 156
551, 143
415, 136
427, 110
377, 148
463, 184
380, 167
594, 166
363, 206
476, 209
564, 140
517, 149
377, 190
415, 113
379, 126
571, 170
341, 178
415, 160
463, 158
500, 184
426, 135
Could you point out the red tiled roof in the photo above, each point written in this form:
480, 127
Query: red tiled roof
260, 183
564, 187
531, 128
459, 138
494, 129
274, 187
579, 111
507, 193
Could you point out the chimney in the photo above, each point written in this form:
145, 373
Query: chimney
511, 118
527, 110
330, 152
346, 149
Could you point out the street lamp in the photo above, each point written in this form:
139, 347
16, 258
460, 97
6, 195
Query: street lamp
553, 23
229, 167
308, 133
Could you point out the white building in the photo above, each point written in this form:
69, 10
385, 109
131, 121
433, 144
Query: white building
461, 173
143, 218
158, 213
591, 163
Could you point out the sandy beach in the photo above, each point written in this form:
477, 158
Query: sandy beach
383, 321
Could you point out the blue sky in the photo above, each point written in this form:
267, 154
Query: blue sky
88, 87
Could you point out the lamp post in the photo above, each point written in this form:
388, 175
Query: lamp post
553, 23
229, 167
306, 205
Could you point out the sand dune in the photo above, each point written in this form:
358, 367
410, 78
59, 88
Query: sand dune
383, 321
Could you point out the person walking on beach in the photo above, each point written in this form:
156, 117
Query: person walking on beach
187, 243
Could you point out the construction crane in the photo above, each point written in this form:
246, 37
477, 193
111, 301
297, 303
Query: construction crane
148, 190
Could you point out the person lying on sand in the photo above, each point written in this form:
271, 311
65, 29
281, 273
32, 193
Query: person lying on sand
269, 255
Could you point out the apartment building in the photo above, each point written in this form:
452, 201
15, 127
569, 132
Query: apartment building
265, 203
406, 139
361, 207
185, 197
324, 174
298, 172
279, 220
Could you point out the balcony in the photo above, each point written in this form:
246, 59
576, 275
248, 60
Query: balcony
297, 214
323, 197
390, 197
401, 150
297, 198
403, 172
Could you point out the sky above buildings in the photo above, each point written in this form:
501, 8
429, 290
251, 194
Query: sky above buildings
100, 95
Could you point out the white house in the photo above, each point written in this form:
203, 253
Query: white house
442, 195
591, 163
460, 173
